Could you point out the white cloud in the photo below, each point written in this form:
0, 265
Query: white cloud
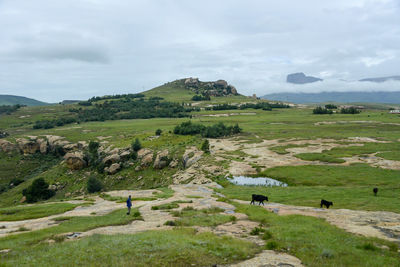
54, 50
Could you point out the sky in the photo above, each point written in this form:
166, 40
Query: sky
53, 50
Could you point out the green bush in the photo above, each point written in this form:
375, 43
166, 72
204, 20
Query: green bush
136, 145
206, 146
38, 190
158, 132
350, 110
94, 185
321, 110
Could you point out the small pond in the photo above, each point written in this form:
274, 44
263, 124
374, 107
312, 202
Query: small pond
264, 181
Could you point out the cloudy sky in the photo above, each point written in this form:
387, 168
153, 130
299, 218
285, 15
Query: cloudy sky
53, 49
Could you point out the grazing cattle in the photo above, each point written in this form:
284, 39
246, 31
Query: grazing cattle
259, 198
326, 203
375, 190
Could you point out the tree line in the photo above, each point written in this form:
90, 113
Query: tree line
213, 131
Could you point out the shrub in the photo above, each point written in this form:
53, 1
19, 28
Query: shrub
271, 245
136, 145
206, 146
38, 190
170, 223
267, 235
350, 110
94, 185
158, 132
330, 106
320, 110
213, 131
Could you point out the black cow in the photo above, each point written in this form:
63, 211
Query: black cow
259, 198
375, 190
326, 203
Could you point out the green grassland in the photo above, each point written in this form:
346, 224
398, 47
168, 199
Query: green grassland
313, 240
179, 247
317, 243
34, 211
347, 186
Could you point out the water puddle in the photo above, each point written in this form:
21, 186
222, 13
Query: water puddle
263, 181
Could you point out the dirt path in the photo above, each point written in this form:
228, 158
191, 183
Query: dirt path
381, 224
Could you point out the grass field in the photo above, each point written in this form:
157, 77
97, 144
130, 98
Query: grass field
179, 247
347, 186
317, 243
34, 211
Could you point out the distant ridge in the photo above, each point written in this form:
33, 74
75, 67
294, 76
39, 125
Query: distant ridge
381, 79
340, 97
14, 100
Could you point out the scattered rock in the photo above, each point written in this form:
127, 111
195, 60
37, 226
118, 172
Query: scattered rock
5, 251
173, 164
126, 155
23, 199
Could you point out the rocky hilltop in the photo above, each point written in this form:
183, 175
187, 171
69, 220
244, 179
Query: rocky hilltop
216, 88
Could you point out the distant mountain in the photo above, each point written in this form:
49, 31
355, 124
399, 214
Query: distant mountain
301, 78
381, 79
340, 97
13, 100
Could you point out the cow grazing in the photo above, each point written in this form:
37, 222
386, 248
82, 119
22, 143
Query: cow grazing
259, 198
375, 190
326, 203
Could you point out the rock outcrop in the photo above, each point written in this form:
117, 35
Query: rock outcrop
217, 88
191, 156
28, 146
162, 160
75, 160
7, 146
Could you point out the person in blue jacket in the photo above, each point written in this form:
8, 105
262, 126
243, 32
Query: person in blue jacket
129, 204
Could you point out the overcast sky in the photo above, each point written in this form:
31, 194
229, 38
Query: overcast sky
55, 49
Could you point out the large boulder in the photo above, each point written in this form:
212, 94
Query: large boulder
161, 160
113, 169
126, 155
75, 161
146, 160
7, 146
221, 84
191, 156
144, 152
28, 146
193, 82
114, 158
43, 145
232, 89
